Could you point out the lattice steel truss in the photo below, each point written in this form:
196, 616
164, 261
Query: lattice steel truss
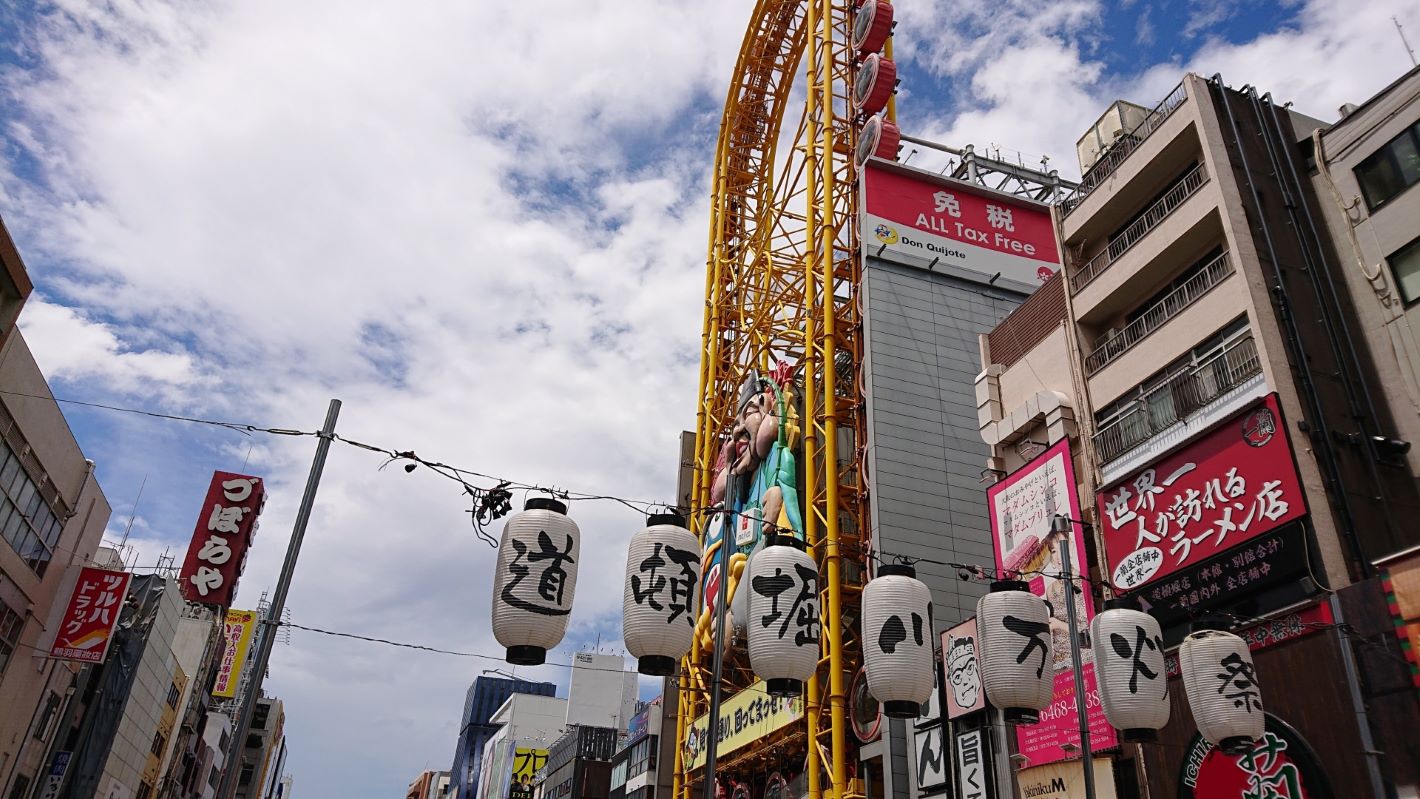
783, 282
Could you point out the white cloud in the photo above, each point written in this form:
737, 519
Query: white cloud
70, 346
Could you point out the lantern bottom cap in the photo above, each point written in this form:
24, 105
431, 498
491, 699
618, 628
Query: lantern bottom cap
1235, 745
1021, 715
656, 665
783, 686
526, 655
1142, 735
898, 709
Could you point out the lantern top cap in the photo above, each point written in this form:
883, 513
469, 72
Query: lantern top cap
897, 570
1009, 585
1123, 602
545, 503
671, 518
786, 541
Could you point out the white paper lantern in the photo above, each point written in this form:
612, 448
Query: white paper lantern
658, 607
897, 640
783, 616
536, 580
1222, 689
1013, 628
1129, 667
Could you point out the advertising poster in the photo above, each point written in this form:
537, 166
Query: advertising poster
1231, 486
1021, 507
745, 717
959, 224
1280, 764
236, 638
86, 629
962, 670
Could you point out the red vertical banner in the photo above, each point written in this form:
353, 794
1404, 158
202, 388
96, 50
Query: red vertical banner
219, 544
86, 630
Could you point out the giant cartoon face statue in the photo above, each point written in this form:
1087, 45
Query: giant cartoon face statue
963, 672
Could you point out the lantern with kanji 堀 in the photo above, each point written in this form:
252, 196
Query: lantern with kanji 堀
658, 607
783, 616
1129, 666
897, 640
536, 580
1222, 689
1013, 629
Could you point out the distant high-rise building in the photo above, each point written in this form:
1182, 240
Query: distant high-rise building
602, 693
484, 697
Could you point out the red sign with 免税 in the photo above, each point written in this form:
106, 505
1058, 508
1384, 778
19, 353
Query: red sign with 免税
1234, 484
958, 224
86, 629
219, 545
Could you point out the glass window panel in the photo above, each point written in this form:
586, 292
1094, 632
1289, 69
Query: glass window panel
32, 509
56, 529
6, 510
1407, 158
1379, 178
14, 528
25, 497
16, 480
10, 469
1405, 264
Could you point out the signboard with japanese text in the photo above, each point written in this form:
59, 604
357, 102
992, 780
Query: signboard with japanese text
1021, 507
1234, 484
224, 530
1290, 627
973, 772
1066, 780
86, 629
527, 762
236, 638
959, 224
1280, 765
54, 780
745, 717
1272, 558
963, 672
929, 758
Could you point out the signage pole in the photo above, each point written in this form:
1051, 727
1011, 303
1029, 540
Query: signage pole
242, 723
1063, 524
712, 725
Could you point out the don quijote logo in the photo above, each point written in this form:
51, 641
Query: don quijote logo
886, 234
1259, 427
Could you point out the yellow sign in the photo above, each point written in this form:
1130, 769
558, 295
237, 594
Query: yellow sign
745, 717
236, 637
527, 763
1065, 779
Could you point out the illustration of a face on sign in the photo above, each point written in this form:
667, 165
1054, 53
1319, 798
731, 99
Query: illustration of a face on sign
963, 672
760, 455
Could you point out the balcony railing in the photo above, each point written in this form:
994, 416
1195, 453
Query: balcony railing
1178, 398
1150, 219
1111, 159
1162, 311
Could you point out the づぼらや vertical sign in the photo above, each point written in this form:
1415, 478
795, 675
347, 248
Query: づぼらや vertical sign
86, 630
219, 544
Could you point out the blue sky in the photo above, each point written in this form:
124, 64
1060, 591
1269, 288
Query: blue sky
483, 230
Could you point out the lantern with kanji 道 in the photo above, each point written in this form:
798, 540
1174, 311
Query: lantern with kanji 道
536, 580
658, 607
783, 616
1222, 689
1129, 667
1013, 629
897, 640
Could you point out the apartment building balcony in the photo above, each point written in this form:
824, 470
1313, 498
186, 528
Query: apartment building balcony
1113, 346
1178, 399
1124, 146
1152, 218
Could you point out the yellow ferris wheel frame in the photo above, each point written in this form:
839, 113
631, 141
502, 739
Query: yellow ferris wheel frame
783, 282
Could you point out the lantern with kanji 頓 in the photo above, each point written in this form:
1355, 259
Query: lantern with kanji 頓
1129, 666
535, 581
1013, 629
1222, 689
658, 607
897, 640
783, 616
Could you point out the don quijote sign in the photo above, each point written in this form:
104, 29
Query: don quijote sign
225, 526
1232, 485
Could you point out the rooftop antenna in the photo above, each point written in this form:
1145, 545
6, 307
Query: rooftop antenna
1404, 41
132, 514
909, 156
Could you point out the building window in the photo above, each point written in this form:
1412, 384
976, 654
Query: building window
258, 719
22, 787
247, 771
11, 623
145, 791
223, 741
1405, 265
173, 694
214, 778
27, 522
159, 741
1392, 169
51, 715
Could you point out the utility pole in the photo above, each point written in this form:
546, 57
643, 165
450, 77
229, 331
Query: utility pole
1063, 524
712, 725
242, 723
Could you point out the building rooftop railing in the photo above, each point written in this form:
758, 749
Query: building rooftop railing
1110, 160
1150, 219
1178, 398
1165, 309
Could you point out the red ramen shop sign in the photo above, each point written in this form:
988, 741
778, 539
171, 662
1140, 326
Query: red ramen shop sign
1280, 765
1234, 484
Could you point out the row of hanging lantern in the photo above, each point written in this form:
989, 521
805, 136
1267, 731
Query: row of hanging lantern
537, 576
